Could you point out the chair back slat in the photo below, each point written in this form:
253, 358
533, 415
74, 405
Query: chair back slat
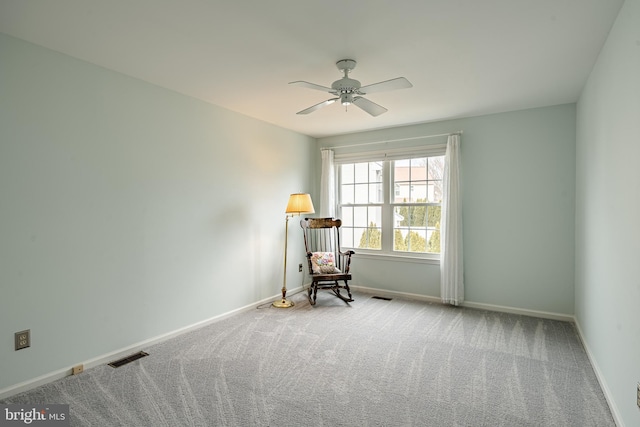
322, 235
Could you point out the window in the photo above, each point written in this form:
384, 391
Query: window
392, 206
417, 206
361, 200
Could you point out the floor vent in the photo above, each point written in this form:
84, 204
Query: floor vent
128, 359
382, 298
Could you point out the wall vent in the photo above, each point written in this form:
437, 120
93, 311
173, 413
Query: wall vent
128, 359
382, 298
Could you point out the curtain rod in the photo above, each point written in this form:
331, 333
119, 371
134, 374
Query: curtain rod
459, 132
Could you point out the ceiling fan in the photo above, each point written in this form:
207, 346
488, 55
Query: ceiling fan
348, 90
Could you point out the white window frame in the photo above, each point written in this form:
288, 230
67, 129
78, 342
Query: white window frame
387, 156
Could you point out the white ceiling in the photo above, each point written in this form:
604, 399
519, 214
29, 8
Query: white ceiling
464, 57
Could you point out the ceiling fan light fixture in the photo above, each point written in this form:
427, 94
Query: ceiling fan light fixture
346, 99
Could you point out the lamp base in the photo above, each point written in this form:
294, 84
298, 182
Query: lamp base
283, 303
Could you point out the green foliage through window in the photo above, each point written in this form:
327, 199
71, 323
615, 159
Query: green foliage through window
417, 218
371, 238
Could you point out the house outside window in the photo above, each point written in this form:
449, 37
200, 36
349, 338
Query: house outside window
392, 206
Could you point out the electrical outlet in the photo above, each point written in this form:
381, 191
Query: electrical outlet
77, 369
23, 339
299, 268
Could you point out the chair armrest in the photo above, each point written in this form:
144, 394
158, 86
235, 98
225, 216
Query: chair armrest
347, 261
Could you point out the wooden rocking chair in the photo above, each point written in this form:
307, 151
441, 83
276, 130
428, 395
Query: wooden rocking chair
328, 265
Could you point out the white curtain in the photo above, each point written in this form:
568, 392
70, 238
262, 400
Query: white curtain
327, 186
451, 265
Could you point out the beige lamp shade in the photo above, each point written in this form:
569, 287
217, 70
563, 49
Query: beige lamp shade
300, 203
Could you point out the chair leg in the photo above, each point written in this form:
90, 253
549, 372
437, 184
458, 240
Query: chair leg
336, 290
346, 286
313, 289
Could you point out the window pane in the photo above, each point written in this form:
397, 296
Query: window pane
375, 193
375, 238
401, 171
347, 216
347, 174
433, 216
419, 169
404, 163
361, 172
418, 192
370, 238
435, 192
431, 191
360, 238
433, 241
375, 216
361, 193
417, 241
418, 216
436, 167
360, 217
346, 194
401, 216
402, 192
436, 172
399, 236
347, 237
375, 172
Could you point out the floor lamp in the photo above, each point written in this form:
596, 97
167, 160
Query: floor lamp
299, 203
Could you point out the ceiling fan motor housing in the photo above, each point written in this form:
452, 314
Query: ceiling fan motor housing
345, 85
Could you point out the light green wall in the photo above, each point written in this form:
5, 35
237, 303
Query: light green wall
128, 211
608, 213
518, 182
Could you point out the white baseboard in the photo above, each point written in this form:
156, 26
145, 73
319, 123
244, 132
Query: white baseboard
471, 304
603, 384
522, 311
109, 357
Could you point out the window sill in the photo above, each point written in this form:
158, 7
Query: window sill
396, 258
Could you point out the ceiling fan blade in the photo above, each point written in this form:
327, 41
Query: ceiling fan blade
318, 106
393, 84
369, 106
312, 86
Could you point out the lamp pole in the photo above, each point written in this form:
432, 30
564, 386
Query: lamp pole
284, 302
